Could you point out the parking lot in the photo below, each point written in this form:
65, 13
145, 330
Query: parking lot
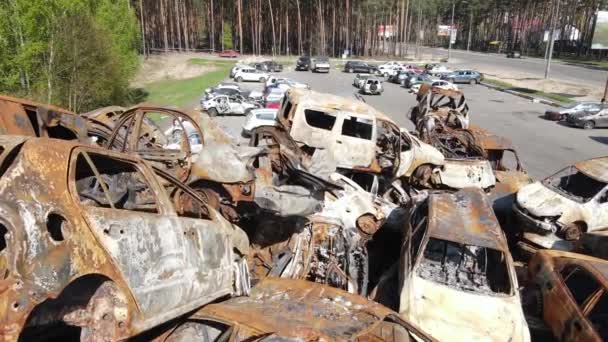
543, 146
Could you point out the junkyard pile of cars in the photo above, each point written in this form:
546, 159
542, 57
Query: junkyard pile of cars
332, 223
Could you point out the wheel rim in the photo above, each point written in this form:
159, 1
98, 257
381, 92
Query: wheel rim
588, 125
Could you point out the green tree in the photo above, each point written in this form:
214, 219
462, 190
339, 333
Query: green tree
47, 47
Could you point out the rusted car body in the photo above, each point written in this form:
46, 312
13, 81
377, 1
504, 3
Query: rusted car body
557, 210
297, 310
439, 105
509, 173
457, 280
593, 244
27, 118
174, 141
329, 246
93, 246
571, 292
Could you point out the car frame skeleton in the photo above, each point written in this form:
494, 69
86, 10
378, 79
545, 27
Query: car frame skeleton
96, 244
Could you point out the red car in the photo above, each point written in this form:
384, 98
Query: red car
228, 54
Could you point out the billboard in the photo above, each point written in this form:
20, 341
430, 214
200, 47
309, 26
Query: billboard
600, 35
443, 30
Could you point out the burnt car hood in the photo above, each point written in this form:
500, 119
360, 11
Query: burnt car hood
304, 310
223, 163
541, 201
452, 315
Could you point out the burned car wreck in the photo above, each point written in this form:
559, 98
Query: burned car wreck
92, 246
558, 210
456, 277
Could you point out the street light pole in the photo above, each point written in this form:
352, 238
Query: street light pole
451, 29
552, 39
470, 27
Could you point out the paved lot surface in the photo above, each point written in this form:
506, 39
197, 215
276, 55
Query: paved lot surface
544, 146
534, 67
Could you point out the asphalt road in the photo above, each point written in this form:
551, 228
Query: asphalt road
534, 67
543, 146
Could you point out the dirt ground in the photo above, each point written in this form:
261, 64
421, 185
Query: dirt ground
169, 66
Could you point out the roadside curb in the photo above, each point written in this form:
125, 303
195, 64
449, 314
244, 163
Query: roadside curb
522, 95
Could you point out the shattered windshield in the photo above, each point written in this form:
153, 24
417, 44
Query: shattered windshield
465, 267
574, 184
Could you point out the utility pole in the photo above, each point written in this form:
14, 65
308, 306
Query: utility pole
551, 37
419, 30
451, 29
470, 26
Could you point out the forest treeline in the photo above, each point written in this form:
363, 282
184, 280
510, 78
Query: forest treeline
81, 54
331, 26
78, 54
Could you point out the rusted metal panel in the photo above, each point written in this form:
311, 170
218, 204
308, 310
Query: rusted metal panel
465, 217
567, 320
24, 117
309, 311
596, 168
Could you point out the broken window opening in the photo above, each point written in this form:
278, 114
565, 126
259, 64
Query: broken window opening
120, 142
32, 115
319, 119
575, 184
580, 283
465, 267
357, 127
60, 132
112, 183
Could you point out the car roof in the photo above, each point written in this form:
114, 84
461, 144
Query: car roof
465, 217
596, 168
324, 100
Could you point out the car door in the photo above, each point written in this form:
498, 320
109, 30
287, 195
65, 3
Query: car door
132, 218
602, 117
315, 126
354, 144
236, 105
570, 301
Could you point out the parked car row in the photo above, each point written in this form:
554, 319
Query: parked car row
586, 115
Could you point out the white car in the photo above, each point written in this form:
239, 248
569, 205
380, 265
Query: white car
228, 105
372, 86
439, 70
556, 211
360, 80
236, 68
250, 74
439, 84
257, 118
320, 64
282, 80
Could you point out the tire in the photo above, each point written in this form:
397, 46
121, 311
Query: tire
239, 79
589, 125
212, 112
262, 80
385, 74
351, 70
472, 82
453, 81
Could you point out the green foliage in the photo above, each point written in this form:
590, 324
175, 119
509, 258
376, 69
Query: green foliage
74, 53
227, 37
